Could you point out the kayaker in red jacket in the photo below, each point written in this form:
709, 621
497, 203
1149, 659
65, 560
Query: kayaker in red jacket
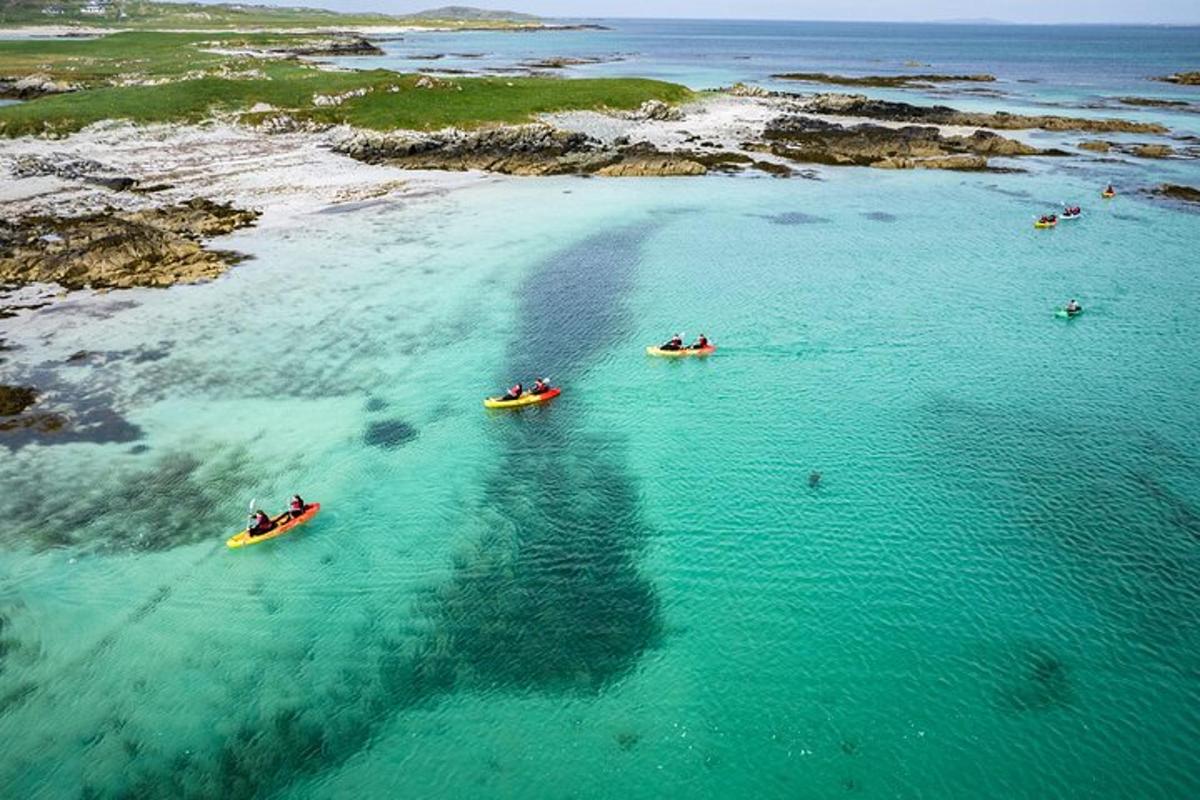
701, 343
540, 386
297, 506
260, 523
514, 392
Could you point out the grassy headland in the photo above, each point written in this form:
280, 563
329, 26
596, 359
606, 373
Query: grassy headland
147, 15
178, 77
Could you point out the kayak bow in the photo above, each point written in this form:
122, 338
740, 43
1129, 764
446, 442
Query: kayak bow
283, 524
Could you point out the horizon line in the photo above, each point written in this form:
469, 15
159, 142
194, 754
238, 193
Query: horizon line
981, 23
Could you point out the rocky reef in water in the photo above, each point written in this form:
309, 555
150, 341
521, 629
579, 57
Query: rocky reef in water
857, 105
1138, 149
811, 140
1177, 192
120, 249
1182, 78
882, 81
15, 399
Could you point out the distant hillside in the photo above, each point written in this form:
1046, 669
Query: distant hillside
152, 14
470, 13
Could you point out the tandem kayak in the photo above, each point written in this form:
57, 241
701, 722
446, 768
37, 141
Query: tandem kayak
687, 351
1040, 224
1062, 312
284, 523
1108, 195
1071, 216
523, 400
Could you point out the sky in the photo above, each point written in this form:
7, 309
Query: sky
1041, 11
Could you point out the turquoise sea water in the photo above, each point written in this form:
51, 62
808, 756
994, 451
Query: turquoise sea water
637, 590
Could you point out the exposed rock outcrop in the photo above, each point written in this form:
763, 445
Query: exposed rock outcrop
15, 399
1138, 149
1152, 150
882, 81
562, 62
517, 150
1182, 78
655, 110
857, 105
120, 249
31, 86
1153, 102
1177, 192
63, 166
328, 46
811, 140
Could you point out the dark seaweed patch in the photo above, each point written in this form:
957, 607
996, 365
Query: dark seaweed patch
627, 740
880, 216
1040, 682
374, 404
1018, 193
179, 499
574, 304
549, 598
792, 218
389, 433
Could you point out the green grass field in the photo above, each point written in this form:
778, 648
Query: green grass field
193, 84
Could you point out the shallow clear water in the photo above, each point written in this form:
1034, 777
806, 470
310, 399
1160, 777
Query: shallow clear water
991, 590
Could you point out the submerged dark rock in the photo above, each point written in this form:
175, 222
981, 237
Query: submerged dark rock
389, 434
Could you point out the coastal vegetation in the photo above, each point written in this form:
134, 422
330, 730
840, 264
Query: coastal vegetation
150, 77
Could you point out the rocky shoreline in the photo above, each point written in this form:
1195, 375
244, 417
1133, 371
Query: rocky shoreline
121, 249
536, 150
811, 140
141, 230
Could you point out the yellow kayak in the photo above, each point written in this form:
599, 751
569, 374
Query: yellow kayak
684, 353
523, 400
284, 523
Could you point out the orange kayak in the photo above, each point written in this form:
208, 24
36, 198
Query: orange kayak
284, 523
